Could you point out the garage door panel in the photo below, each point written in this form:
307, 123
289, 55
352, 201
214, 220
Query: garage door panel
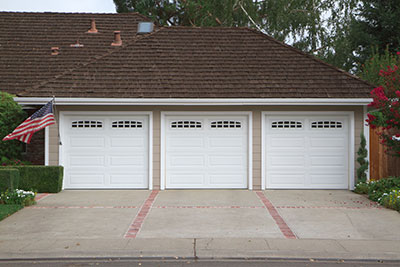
185, 142
87, 179
106, 151
227, 161
328, 161
287, 179
123, 179
126, 142
287, 160
327, 142
87, 141
287, 142
185, 179
127, 161
186, 160
86, 160
313, 154
327, 179
226, 179
228, 142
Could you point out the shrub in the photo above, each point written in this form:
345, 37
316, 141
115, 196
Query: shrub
378, 188
362, 188
391, 200
17, 196
9, 179
42, 179
11, 115
362, 160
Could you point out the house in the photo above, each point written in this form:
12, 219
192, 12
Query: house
181, 107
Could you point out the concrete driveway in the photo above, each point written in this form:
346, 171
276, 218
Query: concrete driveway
208, 223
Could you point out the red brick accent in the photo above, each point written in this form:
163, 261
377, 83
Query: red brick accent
286, 231
209, 207
41, 196
134, 228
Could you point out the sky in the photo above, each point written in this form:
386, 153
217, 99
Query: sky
90, 6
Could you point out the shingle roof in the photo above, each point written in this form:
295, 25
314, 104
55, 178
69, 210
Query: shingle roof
186, 62
26, 40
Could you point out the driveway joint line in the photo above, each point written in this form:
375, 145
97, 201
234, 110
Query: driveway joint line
326, 207
137, 223
208, 207
285, 229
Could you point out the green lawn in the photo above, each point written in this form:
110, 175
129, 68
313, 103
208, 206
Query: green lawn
7, 210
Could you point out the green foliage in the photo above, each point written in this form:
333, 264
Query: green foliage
377, 25
17, 196
41, 179
377, 188
361, 188
371, 68
384, 191
391, 200
318, 27
361, 159
9, 179
7, 210
11, 115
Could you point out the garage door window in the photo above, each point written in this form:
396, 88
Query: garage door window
185, 124
127, 124
226, 124
286, 125
87, 124
326, 125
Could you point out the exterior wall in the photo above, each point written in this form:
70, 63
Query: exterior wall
257, 119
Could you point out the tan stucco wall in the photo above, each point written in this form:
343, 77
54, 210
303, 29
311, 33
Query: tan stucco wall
257, 119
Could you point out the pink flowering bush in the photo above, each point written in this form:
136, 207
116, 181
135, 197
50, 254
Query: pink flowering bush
385, 115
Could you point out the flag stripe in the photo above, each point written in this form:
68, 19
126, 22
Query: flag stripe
39, 120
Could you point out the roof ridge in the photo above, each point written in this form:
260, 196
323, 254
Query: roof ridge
312, 57
92, 61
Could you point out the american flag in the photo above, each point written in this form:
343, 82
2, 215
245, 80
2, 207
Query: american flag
39, 120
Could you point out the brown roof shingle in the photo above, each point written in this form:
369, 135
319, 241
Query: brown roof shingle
26, 40
185, 62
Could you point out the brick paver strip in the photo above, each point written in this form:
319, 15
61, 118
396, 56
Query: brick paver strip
134, 228
286, 231
41, 196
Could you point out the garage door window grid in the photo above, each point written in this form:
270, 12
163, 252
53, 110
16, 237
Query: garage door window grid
286, 125
186, 124
127, 124
87, 124
326, 125
226, 124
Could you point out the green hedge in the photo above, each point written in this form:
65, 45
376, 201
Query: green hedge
9, 179
41, 179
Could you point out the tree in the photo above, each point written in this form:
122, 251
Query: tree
318, 27
386, 104
376, 26
361, 159
11, 115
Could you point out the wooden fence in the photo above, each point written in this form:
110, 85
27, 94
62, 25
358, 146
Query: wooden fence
381, 164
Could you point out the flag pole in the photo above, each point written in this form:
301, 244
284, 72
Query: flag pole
56, 119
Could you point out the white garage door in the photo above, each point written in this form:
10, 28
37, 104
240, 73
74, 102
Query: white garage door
307, 152
106, 151
206, 151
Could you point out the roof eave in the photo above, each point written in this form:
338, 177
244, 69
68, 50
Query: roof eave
194, 101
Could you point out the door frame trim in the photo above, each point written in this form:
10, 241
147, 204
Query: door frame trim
349, 114
63, 114
249, 115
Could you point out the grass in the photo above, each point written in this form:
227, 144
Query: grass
7, 210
